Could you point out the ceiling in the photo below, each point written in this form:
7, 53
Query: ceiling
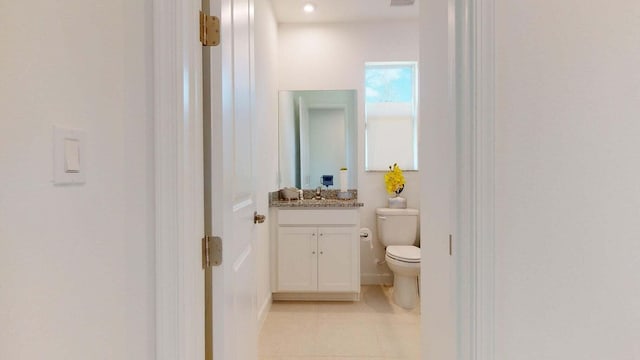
290, 11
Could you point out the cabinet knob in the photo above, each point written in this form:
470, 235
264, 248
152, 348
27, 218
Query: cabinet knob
321, 252
313, 252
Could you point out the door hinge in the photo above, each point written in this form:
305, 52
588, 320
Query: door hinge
211, 251
209, 30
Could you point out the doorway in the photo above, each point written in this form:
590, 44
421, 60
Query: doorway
439, 40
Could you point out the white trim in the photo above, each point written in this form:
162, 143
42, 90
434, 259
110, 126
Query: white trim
316, 296
484, 178
475, 96
178, 175
463, 241
166, 110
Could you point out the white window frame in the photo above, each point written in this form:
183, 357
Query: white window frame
414, 116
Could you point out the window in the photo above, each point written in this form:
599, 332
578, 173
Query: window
390, 116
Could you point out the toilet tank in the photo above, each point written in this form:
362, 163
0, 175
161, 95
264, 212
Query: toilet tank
397, 226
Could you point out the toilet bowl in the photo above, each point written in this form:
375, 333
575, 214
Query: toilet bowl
404, 262
397, 231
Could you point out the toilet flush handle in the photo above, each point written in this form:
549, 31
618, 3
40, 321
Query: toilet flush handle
382, 217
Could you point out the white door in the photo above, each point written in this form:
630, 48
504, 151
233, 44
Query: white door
232, 193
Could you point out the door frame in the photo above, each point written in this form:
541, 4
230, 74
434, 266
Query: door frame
178, 177
474, 66
178, 156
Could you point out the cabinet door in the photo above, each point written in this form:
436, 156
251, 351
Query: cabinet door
337, 259
297, 259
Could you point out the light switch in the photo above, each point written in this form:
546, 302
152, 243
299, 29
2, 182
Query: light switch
71, 155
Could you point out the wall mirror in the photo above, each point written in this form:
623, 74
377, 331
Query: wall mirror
317, 135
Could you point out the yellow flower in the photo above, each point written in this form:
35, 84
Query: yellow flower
394, 180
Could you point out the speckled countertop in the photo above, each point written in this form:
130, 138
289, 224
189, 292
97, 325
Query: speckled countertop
312, 203
329, 200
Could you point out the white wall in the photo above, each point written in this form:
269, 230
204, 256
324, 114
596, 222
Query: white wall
76, 262
567, 180
266, 133
330, 57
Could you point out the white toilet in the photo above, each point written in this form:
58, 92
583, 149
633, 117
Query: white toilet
397, 232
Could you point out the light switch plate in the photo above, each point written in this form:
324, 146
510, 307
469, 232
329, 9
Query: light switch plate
69, 156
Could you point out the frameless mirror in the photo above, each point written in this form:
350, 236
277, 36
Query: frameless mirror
317, 131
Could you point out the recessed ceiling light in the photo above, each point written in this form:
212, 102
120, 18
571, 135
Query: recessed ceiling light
309, 8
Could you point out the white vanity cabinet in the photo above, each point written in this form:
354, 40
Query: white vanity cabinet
317, 254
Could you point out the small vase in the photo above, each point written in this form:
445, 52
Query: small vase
397, 202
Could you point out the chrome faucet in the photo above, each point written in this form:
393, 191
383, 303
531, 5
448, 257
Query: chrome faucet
319, 193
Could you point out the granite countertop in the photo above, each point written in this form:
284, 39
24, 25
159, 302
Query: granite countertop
313, 203
329, 200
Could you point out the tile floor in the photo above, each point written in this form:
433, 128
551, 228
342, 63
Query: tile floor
372, 328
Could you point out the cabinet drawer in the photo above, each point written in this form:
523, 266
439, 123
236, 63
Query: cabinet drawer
318, 217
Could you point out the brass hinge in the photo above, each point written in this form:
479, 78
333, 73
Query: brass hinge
211, 251
209, 30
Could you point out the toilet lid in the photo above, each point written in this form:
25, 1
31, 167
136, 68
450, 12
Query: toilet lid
404, 253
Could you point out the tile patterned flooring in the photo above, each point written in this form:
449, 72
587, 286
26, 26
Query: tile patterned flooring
372, 328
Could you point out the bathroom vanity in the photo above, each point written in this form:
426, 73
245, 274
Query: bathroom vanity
315, 249
315, 242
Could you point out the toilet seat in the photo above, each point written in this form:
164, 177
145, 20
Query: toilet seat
404, 253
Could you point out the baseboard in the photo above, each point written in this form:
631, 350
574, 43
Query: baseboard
316, 296
376, 279
264, 311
